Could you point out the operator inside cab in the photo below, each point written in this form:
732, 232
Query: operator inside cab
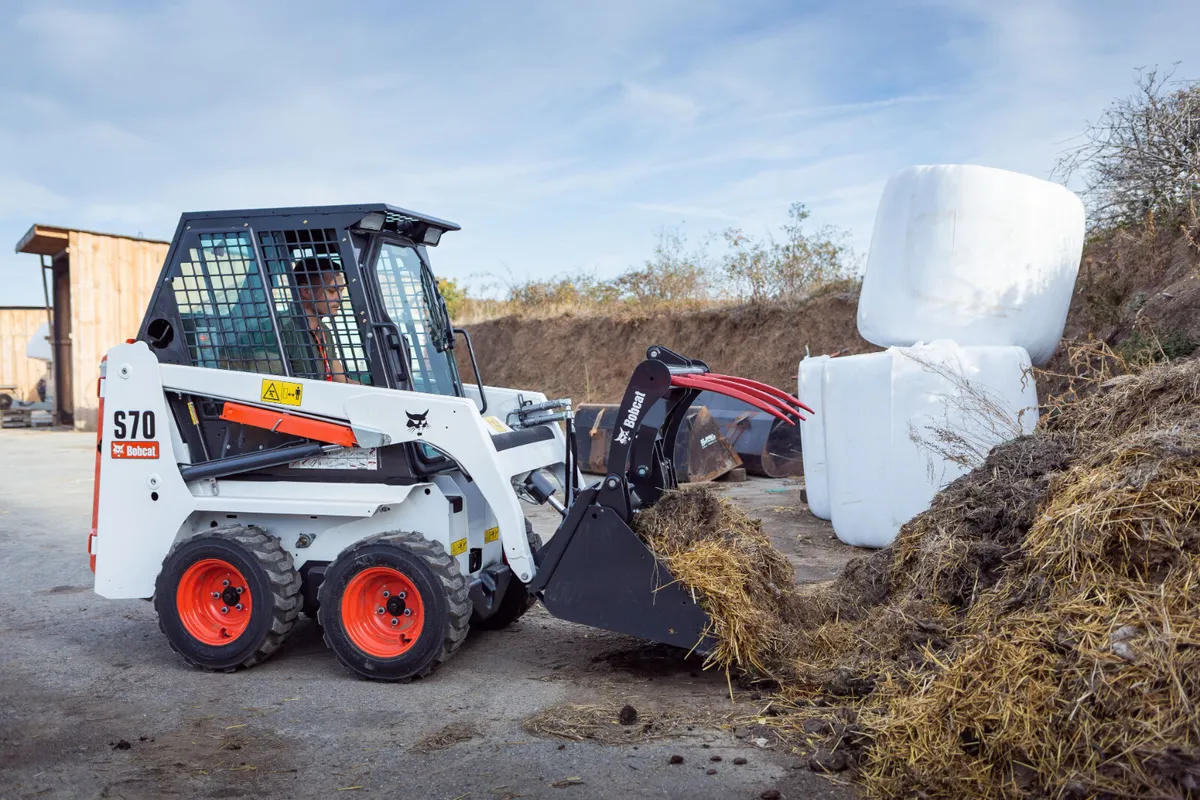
320, 284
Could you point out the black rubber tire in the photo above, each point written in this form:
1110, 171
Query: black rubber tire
6, 401
516, 600
444, 594
271, 579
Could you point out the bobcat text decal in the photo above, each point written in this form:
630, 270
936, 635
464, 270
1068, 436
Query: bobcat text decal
631, 419
135, 449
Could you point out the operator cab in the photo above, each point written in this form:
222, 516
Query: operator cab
333, 293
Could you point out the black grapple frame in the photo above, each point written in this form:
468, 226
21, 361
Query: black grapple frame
596, 570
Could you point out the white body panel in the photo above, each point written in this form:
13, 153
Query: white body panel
809, 385
500, 401
978, 255
879, 477
145, 504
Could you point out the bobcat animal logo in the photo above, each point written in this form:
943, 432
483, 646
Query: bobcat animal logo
417, 422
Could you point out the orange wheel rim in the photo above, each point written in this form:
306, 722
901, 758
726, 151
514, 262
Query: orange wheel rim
382, 612
214, 602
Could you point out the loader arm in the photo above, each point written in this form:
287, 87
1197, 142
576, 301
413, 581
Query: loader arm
595, 569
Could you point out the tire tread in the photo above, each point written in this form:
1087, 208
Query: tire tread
282, 578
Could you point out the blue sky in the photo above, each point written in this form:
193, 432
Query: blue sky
563, 136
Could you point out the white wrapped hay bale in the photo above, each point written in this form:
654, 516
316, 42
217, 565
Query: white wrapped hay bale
810, 381
902, 424
977, 255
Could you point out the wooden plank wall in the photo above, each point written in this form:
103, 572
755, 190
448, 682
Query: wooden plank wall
17, 326
111, 281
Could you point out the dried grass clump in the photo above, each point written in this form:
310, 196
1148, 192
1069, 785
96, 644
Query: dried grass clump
744, 583
448, 736
1149, 398
578, 723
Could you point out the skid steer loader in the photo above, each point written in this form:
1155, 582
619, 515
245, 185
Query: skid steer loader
289, 432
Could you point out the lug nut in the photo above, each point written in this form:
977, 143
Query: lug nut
225, 583
402, 595
395, 621
408, 612
239, 590
224, 609
386, 593
380, 610
238, 606
216, 595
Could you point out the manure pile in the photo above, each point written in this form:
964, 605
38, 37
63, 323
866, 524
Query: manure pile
1036, 632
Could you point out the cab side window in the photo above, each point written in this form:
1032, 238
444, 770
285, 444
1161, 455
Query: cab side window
223, 305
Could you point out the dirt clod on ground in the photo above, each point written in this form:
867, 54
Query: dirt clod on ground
627, 715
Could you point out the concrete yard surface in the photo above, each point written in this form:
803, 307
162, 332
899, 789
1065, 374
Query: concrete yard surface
95, 704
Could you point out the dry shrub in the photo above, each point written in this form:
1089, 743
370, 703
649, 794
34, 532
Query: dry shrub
1087, 364
745, 584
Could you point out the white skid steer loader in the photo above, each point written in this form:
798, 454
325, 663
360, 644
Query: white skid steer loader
289, 432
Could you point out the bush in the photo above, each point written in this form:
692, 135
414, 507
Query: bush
791, 270
1142, 157
454, 295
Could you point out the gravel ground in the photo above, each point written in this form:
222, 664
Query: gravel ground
96, 705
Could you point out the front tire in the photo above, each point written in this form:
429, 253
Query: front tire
394, 606
227, 598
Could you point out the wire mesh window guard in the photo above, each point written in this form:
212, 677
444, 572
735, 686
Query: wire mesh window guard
321, 337
223, 305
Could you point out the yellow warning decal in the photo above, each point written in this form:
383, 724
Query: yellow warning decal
282, 392
495, 424
491, 535
458, 548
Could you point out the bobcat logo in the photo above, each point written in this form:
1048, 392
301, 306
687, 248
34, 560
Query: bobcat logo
622, 436
417, 422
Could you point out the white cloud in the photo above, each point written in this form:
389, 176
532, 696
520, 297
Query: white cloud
561, 136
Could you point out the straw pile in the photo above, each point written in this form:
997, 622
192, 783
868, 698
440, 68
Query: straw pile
1037, 631
744, 583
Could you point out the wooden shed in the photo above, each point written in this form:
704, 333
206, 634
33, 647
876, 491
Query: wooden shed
18, 324
99, 285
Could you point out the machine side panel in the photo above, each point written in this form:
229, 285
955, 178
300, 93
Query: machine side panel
143, 501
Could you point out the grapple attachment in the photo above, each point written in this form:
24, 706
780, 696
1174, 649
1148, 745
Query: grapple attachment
595, 570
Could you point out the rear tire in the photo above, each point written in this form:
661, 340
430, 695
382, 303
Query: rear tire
221, 561
516, 600
393, 606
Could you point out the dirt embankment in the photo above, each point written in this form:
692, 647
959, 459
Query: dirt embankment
1136, 286
590, 358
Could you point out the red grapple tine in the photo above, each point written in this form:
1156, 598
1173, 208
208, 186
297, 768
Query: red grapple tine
765, 387
697, 382
783, 405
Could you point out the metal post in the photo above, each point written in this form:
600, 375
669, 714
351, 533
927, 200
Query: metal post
53, 340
